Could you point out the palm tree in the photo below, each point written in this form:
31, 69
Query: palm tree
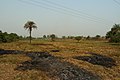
29, 25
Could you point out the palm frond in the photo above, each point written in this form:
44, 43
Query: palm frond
34, 26
30, 24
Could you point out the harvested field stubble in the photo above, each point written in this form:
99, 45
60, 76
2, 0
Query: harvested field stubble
59, 60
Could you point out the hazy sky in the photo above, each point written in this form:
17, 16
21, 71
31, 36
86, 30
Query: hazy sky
61, 17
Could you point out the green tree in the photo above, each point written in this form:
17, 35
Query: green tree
70, 37
0, 31
78, 38
44, 36
14, 36
63, 37
114, 34
30, 25
1, 37
52, 36
97, 37
48, 36
5, 37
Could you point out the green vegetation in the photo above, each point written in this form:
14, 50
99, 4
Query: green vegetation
5, 37
44, 36
97, 36
114, 34
52, 36
78, 38
63, 37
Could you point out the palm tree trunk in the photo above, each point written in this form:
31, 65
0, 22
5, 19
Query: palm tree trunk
30, 36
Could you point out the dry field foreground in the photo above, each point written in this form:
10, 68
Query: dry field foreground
59, 60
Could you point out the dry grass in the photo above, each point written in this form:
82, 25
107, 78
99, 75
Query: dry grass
68, 50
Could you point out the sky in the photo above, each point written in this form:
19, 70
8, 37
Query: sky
60, 17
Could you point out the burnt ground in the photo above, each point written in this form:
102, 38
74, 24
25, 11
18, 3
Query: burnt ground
2, 52
55, 68
98, 59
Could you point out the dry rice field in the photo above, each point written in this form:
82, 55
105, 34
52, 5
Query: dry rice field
60, 60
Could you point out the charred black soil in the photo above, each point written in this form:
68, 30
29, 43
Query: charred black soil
54, 67
98, 59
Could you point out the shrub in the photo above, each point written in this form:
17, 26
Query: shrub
78, 38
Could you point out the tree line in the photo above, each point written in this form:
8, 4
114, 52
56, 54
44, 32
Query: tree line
5, 37
112, 36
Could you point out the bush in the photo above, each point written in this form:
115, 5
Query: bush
78, 38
